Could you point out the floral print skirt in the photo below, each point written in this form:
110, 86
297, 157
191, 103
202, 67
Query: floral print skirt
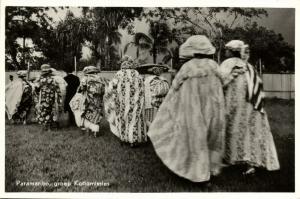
47, 107
248, 135
124, 107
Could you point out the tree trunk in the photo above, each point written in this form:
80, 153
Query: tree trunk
219, 56
154, 54
137, 52
107, 57
98, 64
23, 52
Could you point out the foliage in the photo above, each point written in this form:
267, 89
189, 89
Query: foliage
59, 44
276, 54
24, 23
103, 31
99, 27
202, 20
208, 21
157, 42
70, 34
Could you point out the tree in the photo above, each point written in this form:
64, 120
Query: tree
24, 23
265, 45
157, 42
103, 31
208, 21
70, 34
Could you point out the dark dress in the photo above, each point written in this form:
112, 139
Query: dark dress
73, 83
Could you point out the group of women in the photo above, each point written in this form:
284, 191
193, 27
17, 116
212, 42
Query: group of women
124, 101
213, 115
210, 117
46, 95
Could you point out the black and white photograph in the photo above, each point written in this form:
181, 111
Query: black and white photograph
119, 99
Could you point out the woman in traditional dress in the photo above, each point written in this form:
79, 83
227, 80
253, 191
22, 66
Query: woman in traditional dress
248, 136
49, 101
73, 83
58, 77
188, 130
62, 84
18, 98
156, 88
87, 105
124, 104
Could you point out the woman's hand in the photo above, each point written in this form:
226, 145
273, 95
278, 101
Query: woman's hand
237, 71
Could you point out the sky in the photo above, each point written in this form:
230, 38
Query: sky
281, 20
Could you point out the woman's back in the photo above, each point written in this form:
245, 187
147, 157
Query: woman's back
195, 68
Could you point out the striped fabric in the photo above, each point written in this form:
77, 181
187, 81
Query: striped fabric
148, 94
255, 94
150, 114
156, 88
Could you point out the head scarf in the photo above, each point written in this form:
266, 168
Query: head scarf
156, 70
128, 63
90, 70
235, 45
197, 44
45, 69
22, 73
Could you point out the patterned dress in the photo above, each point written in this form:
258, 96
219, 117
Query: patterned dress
24, 102
49, 100
156, 89
124, 106
92, 88
248, 135
189, 128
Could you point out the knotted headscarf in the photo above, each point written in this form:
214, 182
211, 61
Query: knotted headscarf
196, 44
128, 63
22, 73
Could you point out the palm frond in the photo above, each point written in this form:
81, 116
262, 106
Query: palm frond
127, 46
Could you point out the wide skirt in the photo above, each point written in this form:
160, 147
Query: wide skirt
248, 135
188, 130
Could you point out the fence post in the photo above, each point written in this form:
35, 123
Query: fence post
75, 65
260, 71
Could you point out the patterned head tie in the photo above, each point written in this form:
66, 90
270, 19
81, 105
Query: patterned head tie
22, 73
196, 44
236, 45
45, 69
156, 70
128, 63
90, 70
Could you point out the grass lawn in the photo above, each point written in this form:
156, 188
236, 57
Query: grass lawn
69, 156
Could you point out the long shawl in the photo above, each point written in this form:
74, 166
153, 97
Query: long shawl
13, 97
188, 130
124, 106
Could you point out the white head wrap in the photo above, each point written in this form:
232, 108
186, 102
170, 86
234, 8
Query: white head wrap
197, 44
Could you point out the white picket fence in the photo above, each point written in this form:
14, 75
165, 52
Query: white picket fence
275, 85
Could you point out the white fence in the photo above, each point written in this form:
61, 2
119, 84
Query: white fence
279, 85
275, 85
